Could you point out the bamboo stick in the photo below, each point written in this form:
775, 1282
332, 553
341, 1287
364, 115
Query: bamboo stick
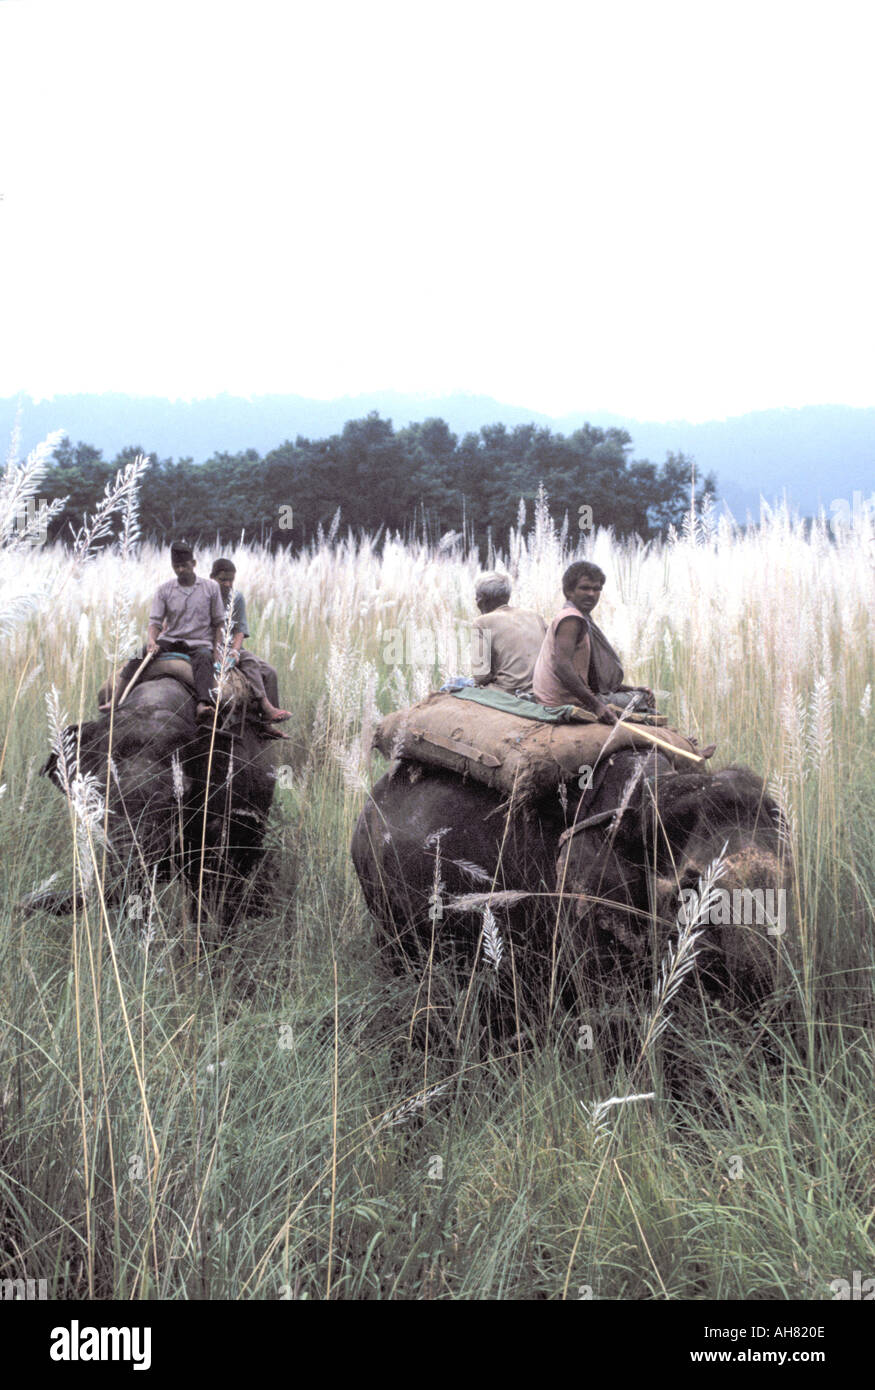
647, 734
135, 677
661, 743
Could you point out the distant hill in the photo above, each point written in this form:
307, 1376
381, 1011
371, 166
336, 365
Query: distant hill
813, 454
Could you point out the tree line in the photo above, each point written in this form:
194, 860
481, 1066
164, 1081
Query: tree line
419, 480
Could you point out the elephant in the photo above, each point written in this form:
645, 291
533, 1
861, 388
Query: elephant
583, 883
175, 788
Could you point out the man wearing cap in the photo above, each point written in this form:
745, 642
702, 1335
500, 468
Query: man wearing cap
187, 615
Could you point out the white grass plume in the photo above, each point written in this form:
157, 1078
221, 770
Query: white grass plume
679, 960
402, 1113
86, 798
129, 506
493, 946
508, 897
473, 871
123, 637
31, 766
63, 740
785, 814
436, 901
17, 607
22, 529
596, 1113
118, 496
794, 719
83, 791
225, 649
435, 837
176, 776
43, 886
350, 759
31, 676
19, 485
819, 736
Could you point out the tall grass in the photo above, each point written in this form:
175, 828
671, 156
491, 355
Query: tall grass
260, 1119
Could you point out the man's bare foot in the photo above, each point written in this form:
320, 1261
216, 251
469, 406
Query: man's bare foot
276, 716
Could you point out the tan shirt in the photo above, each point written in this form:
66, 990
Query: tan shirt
189, 613
504, 647
548, 687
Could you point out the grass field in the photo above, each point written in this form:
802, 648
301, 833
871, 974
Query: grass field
255, 1123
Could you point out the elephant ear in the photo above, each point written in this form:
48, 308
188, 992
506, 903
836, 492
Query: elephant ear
672, 812
92, 735
732, 799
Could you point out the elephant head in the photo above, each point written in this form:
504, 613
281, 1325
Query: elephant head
726, 823
645, 864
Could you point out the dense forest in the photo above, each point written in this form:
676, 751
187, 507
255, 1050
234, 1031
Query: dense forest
421, 479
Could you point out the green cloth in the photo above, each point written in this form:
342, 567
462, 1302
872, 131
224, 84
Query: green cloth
547, 714
512, 704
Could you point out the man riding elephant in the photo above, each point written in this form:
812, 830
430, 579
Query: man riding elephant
505, 641
179, 793
187, 616
577, 664
260, 676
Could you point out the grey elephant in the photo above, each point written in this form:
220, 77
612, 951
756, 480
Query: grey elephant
180, 797
578, 884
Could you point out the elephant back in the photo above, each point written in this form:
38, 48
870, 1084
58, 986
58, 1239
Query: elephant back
235, 688
179, 667
520, 755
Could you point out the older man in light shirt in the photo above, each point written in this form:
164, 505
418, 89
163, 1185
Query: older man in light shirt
505, 641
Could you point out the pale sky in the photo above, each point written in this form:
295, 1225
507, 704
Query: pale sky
661, 209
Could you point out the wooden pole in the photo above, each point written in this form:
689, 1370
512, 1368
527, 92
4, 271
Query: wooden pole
647, 734
660, 742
